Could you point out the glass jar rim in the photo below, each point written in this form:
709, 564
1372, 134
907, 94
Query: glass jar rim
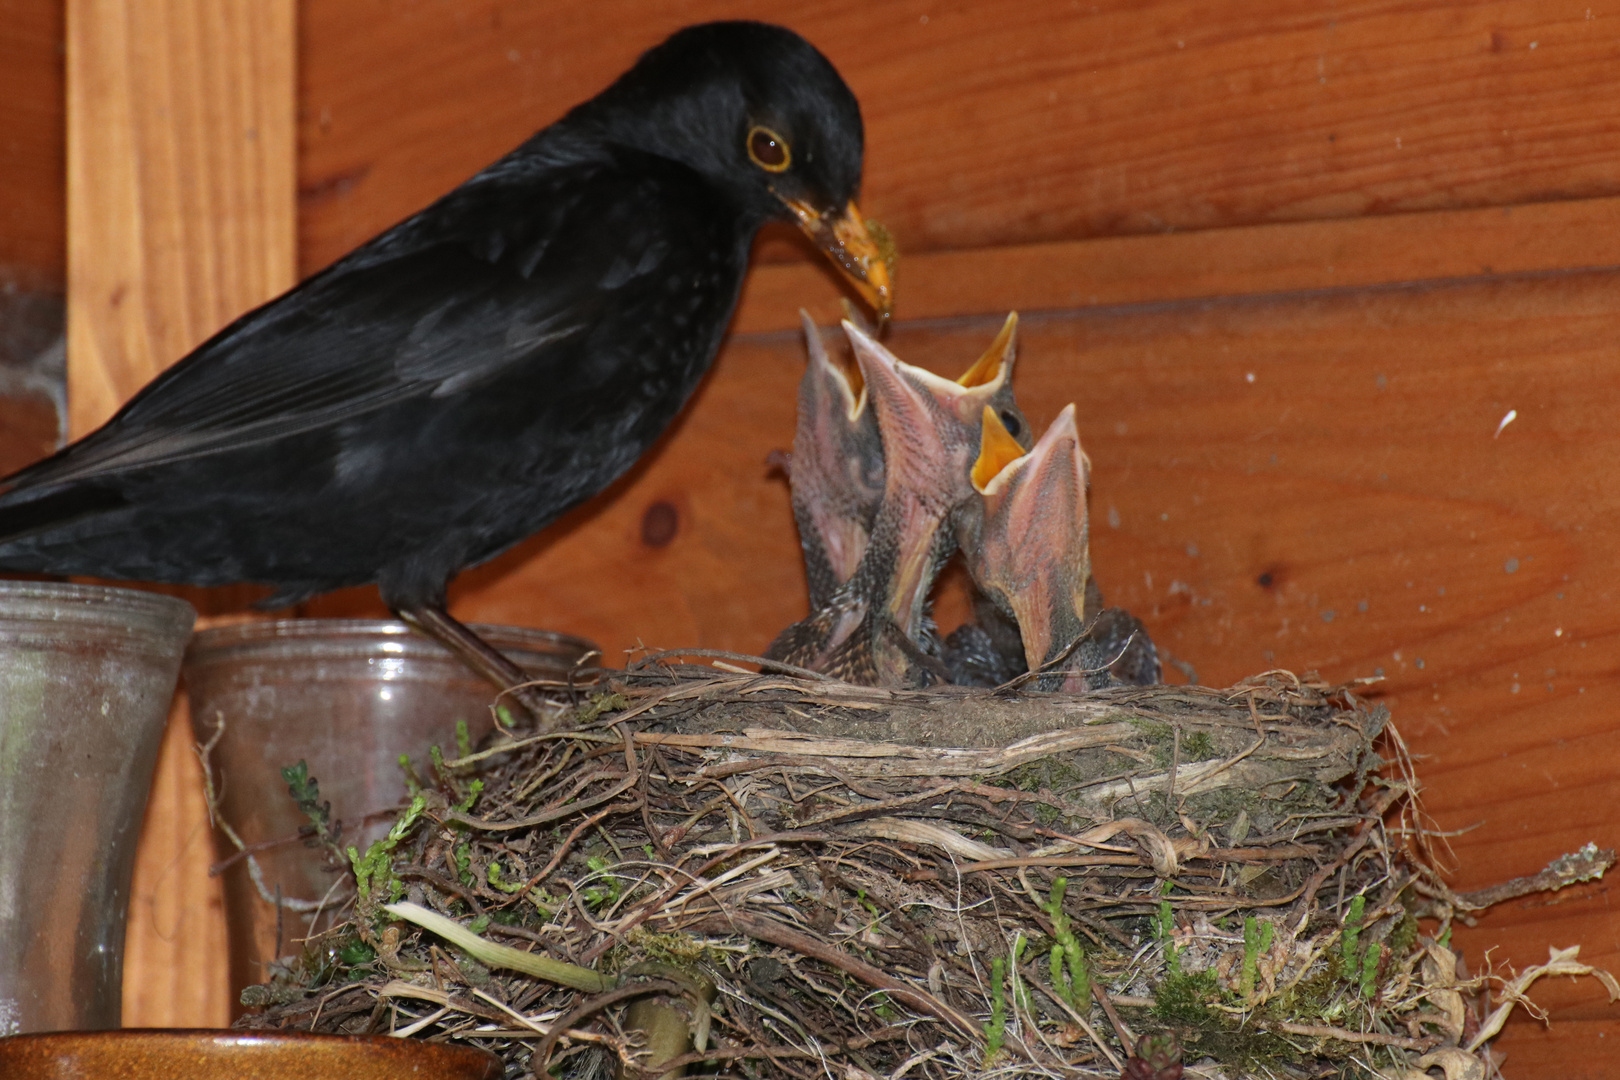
57, 602
388, 637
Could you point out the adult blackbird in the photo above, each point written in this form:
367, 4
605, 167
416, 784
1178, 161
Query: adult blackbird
461, 380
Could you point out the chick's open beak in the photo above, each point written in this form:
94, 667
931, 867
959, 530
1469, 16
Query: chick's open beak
851, 245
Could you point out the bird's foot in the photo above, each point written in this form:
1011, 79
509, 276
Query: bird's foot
513, 682
544, 714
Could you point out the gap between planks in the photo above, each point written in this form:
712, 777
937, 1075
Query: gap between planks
1209, 264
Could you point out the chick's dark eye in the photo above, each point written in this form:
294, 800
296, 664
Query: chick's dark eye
1010, 421
768, 150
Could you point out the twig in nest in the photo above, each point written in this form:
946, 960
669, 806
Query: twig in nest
204, 752
1126, 1039
1512, 992
1323, 1031
777, 933
1589, 863
544, 817
723, 654
442, 881
1018, 681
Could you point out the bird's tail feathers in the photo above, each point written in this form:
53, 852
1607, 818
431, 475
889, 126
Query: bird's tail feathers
22, 516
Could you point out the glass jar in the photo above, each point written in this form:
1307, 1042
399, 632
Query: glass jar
348, 697
87, 674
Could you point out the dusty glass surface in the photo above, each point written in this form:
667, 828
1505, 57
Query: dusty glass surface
86, 677
348, 697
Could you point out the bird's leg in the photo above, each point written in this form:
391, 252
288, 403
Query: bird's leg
483, 658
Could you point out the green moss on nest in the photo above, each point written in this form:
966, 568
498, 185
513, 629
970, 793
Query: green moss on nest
1185, 999
677, 950
1197, 746
1161, 738
1185, 1002
1056, 773
598, 704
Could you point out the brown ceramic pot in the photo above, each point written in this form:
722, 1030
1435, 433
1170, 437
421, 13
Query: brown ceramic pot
225, 1054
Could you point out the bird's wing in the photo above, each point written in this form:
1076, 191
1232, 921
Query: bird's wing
494, 275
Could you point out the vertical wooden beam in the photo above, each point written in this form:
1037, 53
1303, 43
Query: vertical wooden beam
181, 215
181, 181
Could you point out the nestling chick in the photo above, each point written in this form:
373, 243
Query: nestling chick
873, 628
836, 469
1027, 544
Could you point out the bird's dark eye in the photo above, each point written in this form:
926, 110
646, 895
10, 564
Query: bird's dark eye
1009, 419
768, 150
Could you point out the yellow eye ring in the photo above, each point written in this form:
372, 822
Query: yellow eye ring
768, 150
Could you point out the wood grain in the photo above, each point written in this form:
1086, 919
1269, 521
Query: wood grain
174, 943
28, 428
33, 221
1308, 476
997, 122
180, 182
989, 124
1255, 260
1310, 482
181, 212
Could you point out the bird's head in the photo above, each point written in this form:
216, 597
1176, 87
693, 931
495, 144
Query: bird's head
760, 113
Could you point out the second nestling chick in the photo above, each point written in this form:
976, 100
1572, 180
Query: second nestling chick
836, 468
873, 628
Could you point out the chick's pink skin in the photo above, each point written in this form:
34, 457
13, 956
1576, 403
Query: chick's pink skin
930, 429
1031, 550
837, 470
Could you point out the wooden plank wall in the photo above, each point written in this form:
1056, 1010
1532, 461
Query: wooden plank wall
1294, 262
33, 247
1003, 123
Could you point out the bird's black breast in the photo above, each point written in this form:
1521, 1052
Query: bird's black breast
423, 404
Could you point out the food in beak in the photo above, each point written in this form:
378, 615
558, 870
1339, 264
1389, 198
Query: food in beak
860, 250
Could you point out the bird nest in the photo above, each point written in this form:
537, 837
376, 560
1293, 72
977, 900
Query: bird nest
755, 875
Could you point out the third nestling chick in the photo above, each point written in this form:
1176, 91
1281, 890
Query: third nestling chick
1026, 539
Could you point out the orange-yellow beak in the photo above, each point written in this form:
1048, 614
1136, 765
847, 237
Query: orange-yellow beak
850, 244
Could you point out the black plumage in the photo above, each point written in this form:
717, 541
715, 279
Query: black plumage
461, 380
